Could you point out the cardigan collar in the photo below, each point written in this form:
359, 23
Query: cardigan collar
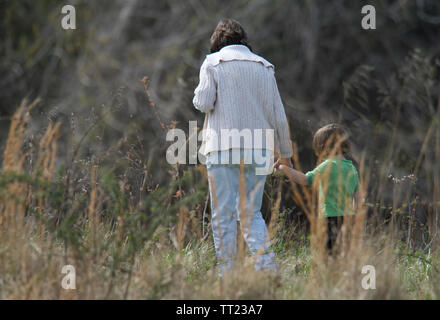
236, 52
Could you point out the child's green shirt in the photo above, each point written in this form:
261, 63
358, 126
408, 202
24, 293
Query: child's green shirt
338, 181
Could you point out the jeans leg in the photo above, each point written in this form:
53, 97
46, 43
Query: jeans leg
223, 186
253, 225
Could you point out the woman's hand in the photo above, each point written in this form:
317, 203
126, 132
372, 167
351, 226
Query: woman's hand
283, 161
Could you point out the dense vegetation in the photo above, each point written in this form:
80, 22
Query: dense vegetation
84, 180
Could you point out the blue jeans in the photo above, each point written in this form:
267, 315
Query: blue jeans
224, 186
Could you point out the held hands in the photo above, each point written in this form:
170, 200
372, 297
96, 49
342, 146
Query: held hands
285, 165
282, 163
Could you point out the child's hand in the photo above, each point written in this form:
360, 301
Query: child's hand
282, 166
295, 175
283, 162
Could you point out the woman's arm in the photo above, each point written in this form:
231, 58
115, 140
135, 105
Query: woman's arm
282, 131
206, 92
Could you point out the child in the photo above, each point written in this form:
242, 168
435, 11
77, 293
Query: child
336, 177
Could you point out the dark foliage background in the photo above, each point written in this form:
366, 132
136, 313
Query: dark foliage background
382, 84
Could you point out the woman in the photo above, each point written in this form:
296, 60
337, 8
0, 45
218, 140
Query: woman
239, 94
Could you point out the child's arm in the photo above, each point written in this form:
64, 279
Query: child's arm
295, 175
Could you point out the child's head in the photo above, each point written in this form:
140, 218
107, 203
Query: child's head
331, 139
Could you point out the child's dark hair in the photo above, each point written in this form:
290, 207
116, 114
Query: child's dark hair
332, 139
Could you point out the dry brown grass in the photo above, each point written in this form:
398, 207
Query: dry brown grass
175, 262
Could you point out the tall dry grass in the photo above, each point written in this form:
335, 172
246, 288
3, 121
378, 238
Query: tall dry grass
125, 248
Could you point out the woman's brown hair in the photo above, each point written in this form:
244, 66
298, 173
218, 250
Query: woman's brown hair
227, 32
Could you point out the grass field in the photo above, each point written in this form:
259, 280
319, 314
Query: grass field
151, 246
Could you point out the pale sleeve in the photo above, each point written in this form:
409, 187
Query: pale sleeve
206, 92
281, 126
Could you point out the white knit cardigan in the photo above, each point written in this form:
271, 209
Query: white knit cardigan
238, 90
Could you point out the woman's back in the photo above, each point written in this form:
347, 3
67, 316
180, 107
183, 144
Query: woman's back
239, 91
245, 95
